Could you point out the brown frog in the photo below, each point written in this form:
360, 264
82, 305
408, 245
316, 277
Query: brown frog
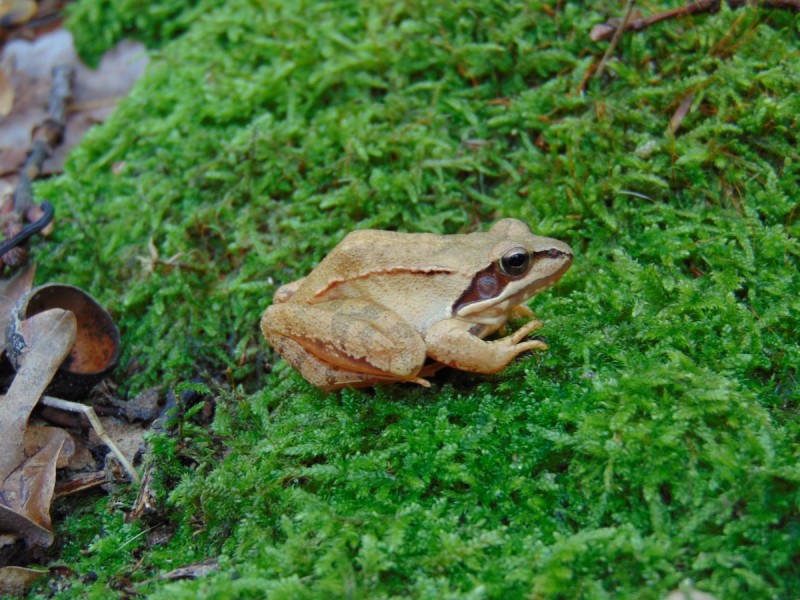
382, 303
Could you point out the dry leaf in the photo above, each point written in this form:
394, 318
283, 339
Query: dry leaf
14, 580
16, 12
95, 93
23, 527
48, 338
26, 493
39, 436
6, 93
27, 480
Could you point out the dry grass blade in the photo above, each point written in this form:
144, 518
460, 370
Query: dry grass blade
88, 412
615, 39
680, 113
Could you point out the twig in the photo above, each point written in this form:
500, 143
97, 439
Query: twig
45, 137
615, 40
88, 412
609, 29
30, 229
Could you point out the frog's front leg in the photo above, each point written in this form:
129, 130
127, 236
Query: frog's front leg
450, 342
345, 343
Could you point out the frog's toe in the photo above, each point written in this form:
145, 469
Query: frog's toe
525, 330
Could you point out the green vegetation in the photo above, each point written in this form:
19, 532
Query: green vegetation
654, 445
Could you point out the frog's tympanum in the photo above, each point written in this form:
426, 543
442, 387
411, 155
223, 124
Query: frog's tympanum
384, 307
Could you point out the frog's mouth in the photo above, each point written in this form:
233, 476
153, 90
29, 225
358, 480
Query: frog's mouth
564, 258
488, 298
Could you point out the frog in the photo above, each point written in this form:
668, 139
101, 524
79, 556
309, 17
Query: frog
386, 307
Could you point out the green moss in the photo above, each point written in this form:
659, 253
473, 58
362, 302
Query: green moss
99, 25
655, 442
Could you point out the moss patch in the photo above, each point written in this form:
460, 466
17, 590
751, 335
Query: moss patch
655, 443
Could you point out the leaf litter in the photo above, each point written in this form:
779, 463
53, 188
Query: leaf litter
27, 66
30, 455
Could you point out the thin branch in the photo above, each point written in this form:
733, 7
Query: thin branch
88, 412
607, 30
45, 137
615, 40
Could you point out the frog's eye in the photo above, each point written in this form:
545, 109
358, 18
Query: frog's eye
515, 262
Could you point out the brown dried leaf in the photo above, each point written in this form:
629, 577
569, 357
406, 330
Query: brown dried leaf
6, 93
145, 406
28, 491
39, 436
14, 580
23, 527
81, 459
16, 12
48, 339
95, 93
602, 31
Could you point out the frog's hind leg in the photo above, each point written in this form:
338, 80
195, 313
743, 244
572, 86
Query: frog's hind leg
345, 343
325, 375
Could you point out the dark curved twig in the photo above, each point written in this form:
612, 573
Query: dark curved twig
45, 137
615, 39
30, 229
605, 31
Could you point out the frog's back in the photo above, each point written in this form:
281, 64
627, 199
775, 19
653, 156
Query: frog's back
366, 254
370, 250
417, 275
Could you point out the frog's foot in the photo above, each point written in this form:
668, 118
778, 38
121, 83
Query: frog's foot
451, 343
